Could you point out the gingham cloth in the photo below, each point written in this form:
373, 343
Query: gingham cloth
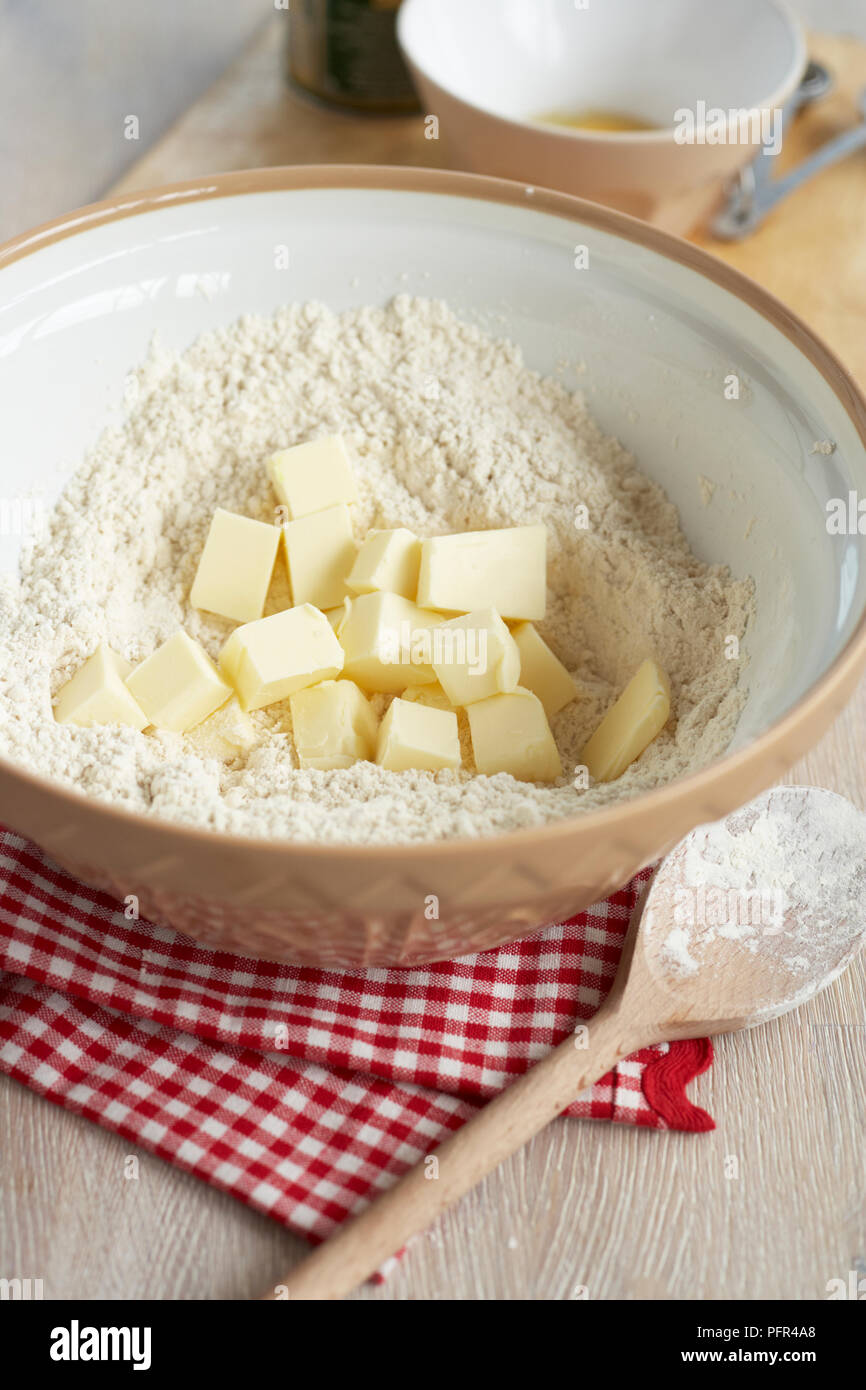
302, 1092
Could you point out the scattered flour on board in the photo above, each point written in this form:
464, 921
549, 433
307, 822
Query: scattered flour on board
784, 876
450, 431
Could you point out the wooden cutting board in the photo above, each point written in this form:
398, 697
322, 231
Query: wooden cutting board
811, 253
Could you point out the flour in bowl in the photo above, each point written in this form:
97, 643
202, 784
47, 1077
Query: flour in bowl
450, 431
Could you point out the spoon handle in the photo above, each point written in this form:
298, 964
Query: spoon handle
504, 1125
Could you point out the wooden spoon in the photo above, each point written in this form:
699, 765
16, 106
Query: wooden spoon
789, 870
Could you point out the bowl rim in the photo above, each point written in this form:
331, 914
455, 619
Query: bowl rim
822, 698
661, 136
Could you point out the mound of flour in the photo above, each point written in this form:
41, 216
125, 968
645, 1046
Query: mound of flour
450, 431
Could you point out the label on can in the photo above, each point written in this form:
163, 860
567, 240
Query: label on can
346, 51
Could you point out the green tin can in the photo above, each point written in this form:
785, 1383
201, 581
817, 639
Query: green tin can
345, 51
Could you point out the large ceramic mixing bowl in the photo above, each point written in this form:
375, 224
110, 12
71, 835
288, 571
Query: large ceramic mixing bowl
660, 327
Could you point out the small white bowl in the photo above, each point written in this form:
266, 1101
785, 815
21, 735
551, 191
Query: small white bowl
488, 69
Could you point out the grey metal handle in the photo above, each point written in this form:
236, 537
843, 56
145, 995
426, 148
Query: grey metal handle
754, 198
757, 191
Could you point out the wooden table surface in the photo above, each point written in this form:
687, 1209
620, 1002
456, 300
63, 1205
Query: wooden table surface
769, 1205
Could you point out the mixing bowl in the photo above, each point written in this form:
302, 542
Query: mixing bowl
663, 330
488, 69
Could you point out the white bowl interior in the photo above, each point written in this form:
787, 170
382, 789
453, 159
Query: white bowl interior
522, 58
650, 341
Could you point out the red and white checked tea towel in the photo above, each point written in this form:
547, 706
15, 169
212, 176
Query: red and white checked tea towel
302, 1092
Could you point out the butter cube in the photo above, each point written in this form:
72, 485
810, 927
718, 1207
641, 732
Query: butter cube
387, 560
178, 685
432, 695
415, 736
388, 641
235, 568
510, 733
630, 724
320, 551
96, 694
335, 617
542, 672
475, 656
313, 476
271, 658
334, 725
226, 734
503, 569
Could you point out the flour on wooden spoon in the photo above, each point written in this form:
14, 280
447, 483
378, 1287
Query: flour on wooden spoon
784, 877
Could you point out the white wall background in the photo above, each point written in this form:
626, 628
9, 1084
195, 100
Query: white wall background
70, 70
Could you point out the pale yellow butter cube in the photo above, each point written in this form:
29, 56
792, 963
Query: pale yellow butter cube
510, 733
313, 476
415, 736
96, 694
335, 617
387, 560
320, 551
334, 725
178, 685
388, 641
630, 725
475, 656
432, 695
226, 734
503, 569
235, 568
273, 657
542, 672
